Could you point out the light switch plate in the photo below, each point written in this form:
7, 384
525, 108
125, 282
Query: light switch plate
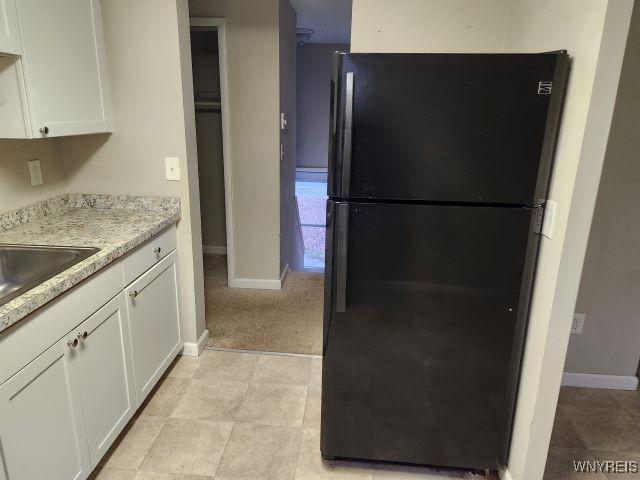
578, 323
35, 172
172, 168
549, 219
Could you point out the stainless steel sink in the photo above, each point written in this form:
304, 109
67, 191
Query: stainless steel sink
23, 267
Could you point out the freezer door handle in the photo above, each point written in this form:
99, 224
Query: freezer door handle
347, 135
341, 257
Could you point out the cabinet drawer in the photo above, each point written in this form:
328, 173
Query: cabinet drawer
148, 254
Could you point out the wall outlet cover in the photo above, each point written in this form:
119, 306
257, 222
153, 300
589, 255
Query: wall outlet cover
172, 168
577, 325
35, 172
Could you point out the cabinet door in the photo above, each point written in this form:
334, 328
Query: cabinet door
41, 420
103, 365
154, 320
65, 67
9, 34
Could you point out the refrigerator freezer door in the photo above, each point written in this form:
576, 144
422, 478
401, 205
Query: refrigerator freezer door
421, 364
445, 127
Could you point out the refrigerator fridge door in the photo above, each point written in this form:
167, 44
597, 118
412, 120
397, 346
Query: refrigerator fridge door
445, 127
423, 329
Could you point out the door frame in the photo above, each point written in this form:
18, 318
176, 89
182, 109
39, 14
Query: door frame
218, 24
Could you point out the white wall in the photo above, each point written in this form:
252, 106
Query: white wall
608, 295
15, 185
428, 26
313, 76
253, 74
144, 42
594, 33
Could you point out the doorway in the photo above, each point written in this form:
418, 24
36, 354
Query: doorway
209, 69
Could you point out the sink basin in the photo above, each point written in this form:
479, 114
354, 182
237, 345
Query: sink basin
23, 267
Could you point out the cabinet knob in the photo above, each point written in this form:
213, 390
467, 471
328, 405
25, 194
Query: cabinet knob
133, 293
157, 250
83, 335
44, 130
73, 343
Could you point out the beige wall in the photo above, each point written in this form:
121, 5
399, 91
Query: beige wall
211, 177
610, 284
15, 185
594, 32
144, 40
291, 248
428, 26
206, 81
314, 66
253, 74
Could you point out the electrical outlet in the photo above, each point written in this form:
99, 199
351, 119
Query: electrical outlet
578, 323
35, 172
172, 168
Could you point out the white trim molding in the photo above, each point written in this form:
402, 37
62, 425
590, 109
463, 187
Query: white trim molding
285, 272
312, 169
214, 249
594, 380
259, 283
191, 349
505, 474
262, 283
214, 23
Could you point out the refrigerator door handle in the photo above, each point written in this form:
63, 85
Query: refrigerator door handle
341, 257
347, 135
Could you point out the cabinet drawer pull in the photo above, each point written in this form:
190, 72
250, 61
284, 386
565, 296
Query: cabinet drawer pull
73, 343
133, 293
44, 130
83, 335
157, 250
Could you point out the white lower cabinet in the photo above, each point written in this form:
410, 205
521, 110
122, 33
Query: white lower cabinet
61, 409
41, 419
154, 320
102, 360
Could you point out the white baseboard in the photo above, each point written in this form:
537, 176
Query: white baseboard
261, 283
505, 474
191, 349
213, 249
593, 380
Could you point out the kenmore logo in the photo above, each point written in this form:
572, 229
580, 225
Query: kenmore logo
544, 88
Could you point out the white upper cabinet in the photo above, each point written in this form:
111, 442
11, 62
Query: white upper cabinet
64, 67
9, 32
62, 82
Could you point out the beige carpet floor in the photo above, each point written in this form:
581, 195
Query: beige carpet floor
287, 320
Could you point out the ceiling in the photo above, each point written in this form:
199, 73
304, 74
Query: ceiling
330, 20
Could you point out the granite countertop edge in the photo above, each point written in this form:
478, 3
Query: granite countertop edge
167, 209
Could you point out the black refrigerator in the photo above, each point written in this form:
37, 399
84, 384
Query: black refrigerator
438, 172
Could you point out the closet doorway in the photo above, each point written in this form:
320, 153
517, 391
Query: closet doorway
209, 67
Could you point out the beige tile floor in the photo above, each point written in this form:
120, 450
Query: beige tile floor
238, 416
594, 424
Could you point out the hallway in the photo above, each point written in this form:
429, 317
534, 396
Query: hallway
287, 320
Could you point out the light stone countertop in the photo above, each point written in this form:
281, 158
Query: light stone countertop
114, 224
